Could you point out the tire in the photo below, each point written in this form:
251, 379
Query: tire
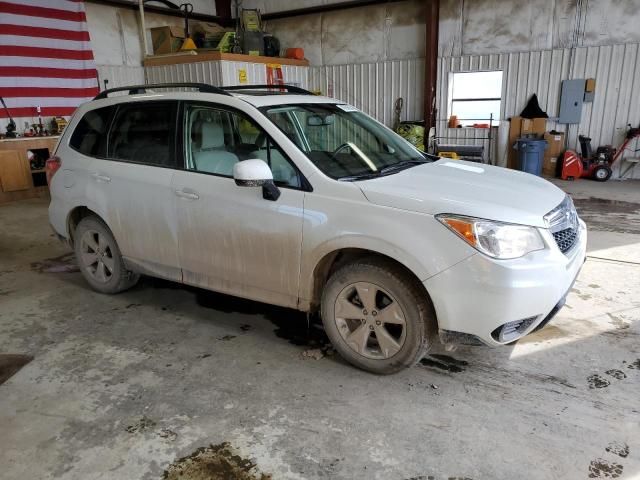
99, 258
350, 322
602, 173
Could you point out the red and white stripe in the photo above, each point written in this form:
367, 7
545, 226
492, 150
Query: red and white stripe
46, 58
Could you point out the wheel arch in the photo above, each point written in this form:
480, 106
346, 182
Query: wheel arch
333, 260
75, 216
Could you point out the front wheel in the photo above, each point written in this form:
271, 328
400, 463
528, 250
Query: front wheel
376, 316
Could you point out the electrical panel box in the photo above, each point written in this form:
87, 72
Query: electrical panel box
571, 100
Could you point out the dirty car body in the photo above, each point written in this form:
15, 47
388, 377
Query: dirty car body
178, 181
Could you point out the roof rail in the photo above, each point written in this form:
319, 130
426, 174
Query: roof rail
288, 88
138, 89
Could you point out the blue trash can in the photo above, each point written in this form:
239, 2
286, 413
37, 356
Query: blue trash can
530, 155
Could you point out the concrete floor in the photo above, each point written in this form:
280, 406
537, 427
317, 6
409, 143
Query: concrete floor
120, 387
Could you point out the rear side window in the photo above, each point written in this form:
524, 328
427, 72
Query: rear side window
144, 133
90, 135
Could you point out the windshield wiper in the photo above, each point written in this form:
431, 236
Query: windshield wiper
359, 176
402, 166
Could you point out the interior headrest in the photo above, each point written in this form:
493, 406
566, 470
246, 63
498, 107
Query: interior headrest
212, 135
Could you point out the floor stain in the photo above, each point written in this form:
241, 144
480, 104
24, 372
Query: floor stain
215, 462
10, 364
600, 468
596, 381
635, 365
167, 434
444, 362
617, 374
145, 423
618, 448
609, 215
226, 338
618, 322
62, 264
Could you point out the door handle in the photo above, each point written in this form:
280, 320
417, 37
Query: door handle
100, 178
187, 195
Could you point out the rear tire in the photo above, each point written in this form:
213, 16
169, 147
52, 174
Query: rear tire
602, 173
99, 258
377, 317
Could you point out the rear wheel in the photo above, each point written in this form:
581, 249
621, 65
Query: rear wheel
99, 258
376, 316
602, 173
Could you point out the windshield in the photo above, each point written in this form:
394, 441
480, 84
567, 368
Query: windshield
343, 142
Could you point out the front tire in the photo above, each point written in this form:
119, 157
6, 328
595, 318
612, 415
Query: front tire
377, 317
99, 258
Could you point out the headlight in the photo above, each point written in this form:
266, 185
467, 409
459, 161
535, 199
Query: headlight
496, 239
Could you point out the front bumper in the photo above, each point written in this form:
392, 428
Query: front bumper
476, 298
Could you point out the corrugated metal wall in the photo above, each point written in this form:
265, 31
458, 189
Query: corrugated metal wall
374, 87
120, 75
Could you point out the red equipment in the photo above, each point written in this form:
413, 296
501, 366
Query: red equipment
598, 166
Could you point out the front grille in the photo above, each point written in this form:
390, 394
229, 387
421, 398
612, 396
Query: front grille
566, 239
563, 224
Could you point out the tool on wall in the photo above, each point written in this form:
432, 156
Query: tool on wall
187, 9
11, 126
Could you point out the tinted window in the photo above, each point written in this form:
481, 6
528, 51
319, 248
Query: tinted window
90, 135
144, 133
217, 139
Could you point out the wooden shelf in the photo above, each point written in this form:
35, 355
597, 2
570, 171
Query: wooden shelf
213, 56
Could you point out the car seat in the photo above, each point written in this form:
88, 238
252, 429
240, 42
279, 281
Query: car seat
212, 156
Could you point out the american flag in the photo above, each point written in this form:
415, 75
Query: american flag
45, 57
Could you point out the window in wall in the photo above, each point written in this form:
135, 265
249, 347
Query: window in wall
475, 96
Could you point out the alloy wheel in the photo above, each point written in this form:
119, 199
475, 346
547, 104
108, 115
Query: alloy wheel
97, 256
370, 320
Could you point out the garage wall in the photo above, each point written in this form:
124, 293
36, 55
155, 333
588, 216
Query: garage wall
467, 27
375, 86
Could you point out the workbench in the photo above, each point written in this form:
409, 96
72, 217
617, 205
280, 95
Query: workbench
18, 180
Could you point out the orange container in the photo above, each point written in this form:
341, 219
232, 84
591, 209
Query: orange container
296, 53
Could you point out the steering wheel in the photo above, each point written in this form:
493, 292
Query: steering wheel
337, 150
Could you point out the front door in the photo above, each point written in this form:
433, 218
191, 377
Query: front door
230, 238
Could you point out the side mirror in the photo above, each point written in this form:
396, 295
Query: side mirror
256, 173
252, 173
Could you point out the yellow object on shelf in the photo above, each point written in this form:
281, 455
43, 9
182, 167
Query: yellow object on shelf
451, 155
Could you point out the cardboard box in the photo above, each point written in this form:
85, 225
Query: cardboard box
550, 166
555, 141
167, 39
515, 124
533, 126
590, 86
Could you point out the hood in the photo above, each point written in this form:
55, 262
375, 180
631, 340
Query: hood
465, 188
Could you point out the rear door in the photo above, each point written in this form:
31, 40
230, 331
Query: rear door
132, 185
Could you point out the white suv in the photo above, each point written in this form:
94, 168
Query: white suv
306, 202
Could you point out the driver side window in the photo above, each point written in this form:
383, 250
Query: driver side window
217, 139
